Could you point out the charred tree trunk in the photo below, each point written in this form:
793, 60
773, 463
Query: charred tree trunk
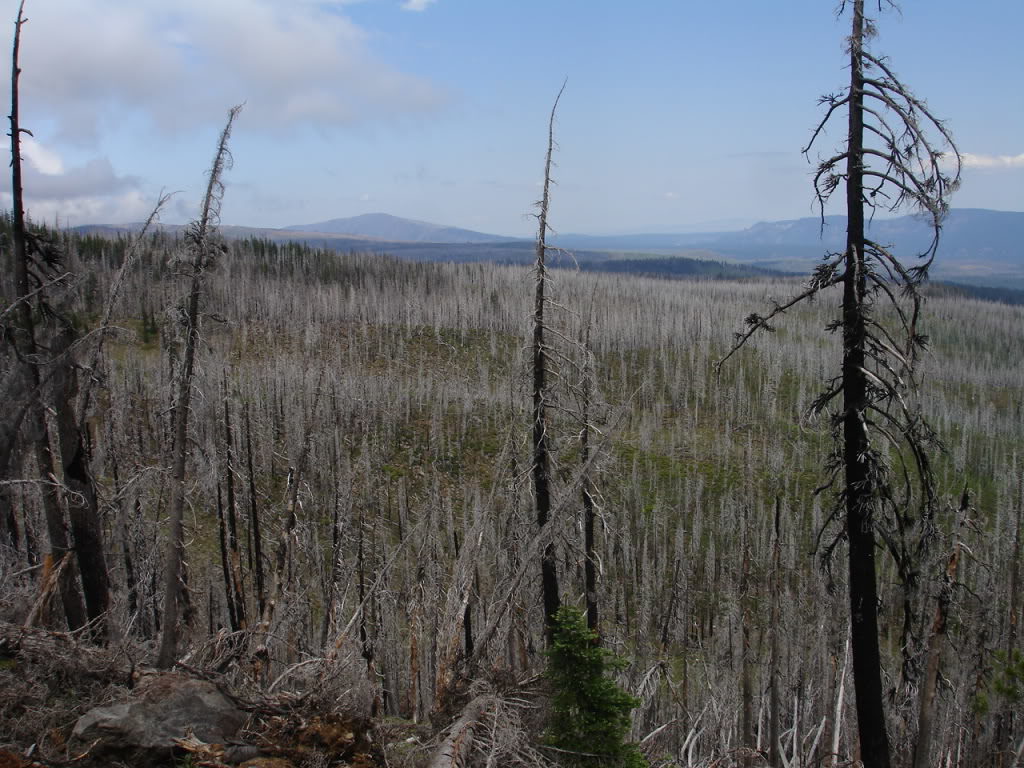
199, 241
541, 437
859, 490
222, 536
83, 505
27, 351
929, 686
776, 758
256, 550
236, 590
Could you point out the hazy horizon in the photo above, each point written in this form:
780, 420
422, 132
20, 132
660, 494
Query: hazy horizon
673, 118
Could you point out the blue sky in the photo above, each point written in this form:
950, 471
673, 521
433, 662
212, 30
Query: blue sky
677, 115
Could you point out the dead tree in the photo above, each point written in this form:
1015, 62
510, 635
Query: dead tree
46, 342
76, 445
198, 238
896, 154
587, 491
929, 686
35, 262
541, 359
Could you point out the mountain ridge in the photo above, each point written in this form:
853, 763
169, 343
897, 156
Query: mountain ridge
979, 246
397, 229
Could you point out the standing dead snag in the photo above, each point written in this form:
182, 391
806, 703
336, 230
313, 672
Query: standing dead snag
541, 438
896, 153
34, 262
198, 238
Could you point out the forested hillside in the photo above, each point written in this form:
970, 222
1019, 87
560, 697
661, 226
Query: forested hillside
359, 524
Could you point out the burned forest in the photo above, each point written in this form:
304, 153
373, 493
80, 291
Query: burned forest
302, 507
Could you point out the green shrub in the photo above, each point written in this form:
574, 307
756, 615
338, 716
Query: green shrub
590, 713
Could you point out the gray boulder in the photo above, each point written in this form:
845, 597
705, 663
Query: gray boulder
163, 708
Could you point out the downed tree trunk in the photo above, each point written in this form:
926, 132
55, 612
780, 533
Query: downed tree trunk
454, 750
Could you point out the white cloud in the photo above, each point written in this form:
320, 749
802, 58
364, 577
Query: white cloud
416, 5
971, 160
41, 158
184, 63
91, 192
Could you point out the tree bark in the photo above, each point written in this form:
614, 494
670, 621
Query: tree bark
27, 350
589, 512
256, 550
235, 585
929, 687
455, 749
859, 484
174, 584
83, 505
541, 443
776, 759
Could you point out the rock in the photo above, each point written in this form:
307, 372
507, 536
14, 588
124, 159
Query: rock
239, 753
11, 760
163, 708
267, 762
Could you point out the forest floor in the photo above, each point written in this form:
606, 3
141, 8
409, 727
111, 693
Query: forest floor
50, 680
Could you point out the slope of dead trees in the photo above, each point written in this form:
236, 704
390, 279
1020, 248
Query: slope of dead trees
358, 527
416, 489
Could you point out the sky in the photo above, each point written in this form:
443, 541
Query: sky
677, 115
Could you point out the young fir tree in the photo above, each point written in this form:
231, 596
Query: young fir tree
589, 712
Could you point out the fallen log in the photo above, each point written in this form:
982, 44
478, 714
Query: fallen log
454, 750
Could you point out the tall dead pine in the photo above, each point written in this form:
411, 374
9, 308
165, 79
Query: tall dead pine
198, 238
896, 154
33, 261
541, 437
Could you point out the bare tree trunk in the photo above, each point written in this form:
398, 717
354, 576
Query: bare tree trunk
586, 489
334, 571
76, 446
24, 340
747, 662
776, 760
83, 506
234, 585
282, 574
454, 751
10, 425
926, 716
256, 550
541, 438
837, 715
174, 585
859, 485
222, 536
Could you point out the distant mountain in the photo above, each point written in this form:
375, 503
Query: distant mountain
972, 233
395, 229
978, 247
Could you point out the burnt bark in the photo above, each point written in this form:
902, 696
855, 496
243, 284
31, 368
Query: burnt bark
859, 490
541, 437
201, 259
30, 355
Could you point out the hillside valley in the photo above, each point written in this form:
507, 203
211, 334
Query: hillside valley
360, 528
